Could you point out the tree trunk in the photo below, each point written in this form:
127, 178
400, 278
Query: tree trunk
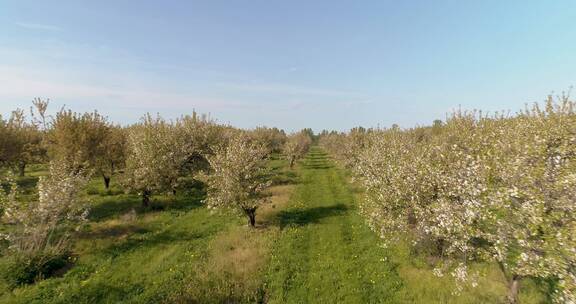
513, 284
412, 219
22, 169
251, 213
146, 198
440, 246
513, 290
292, 160
106, 181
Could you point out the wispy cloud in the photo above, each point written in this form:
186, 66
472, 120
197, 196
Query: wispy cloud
23, 84
39, 26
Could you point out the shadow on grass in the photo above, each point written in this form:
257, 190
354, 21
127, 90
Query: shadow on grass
316, 155
100, 292
301, 217
114, 206
316, 161
278, 177
151, 240
318, 165
27, 183
114, 231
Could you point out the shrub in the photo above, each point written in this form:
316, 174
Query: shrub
17, 270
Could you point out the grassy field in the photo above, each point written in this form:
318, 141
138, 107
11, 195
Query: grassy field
310, 246
175, 251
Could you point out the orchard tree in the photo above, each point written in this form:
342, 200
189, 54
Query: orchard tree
41, 229
453, 175
272, 138
347, 152
386, 167
346, 148
86, 141
113, 155
200, 136
77, 139
310, 134
497, 189
510, 198
156, 150
5, 142
238, 177
534, 206
331, 141
296, 146
20, 142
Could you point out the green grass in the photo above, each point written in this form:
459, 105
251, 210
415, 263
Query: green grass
129, 254
325, 253
138, 261
176, 251
310, 246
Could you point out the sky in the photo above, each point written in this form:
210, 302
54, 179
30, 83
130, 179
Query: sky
323, 64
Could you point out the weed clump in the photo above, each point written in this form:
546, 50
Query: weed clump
18, 270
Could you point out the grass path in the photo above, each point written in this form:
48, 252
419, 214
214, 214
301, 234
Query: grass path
326, 253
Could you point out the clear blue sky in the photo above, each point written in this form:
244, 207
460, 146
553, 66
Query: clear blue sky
291, 64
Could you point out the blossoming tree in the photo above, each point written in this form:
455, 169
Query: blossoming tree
42, 228
238, 177
481, 188
156, 152
297, 146
20, 142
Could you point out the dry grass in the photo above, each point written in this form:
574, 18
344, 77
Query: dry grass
233, 269
279, 198
239, 254
231, 272
118, 228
